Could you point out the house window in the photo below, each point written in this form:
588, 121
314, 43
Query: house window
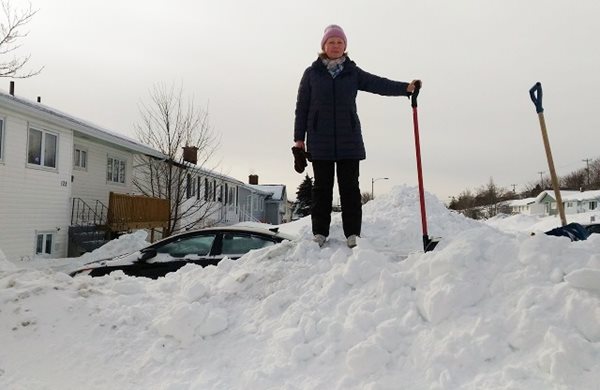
231, 195
42, 148
593, 205
190, 186
206, 189
1, 139
115, 170
43, 244
80, 158
198, 187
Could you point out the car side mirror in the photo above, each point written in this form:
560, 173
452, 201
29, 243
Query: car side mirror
146, 255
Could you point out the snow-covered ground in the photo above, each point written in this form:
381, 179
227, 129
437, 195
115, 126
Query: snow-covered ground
492, 307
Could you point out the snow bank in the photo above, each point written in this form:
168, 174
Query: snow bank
487, 309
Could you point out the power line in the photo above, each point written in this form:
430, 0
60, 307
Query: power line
587, 162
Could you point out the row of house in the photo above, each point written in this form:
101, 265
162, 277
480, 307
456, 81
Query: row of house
56, 170
544, 204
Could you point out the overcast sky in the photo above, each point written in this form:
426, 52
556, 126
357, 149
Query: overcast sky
244, 59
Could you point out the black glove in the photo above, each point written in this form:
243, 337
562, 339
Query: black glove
300, 157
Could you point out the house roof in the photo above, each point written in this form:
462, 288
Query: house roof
521, 202
581, 195
278, 190
220, 176
81, 126
570, 195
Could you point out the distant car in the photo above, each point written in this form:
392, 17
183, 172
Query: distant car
203, 247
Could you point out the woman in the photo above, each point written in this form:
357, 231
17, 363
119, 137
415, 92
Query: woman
326, 118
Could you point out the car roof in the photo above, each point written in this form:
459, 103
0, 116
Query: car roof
273, 232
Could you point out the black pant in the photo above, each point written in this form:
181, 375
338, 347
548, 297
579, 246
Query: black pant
322, 196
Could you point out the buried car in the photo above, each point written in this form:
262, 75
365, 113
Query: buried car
202, 247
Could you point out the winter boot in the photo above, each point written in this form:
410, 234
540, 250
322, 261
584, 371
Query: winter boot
320, 239
351, 241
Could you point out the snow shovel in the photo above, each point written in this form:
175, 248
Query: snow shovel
428, 243
536, 97
573, 230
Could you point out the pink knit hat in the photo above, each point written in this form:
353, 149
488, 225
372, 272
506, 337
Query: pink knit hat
333, 30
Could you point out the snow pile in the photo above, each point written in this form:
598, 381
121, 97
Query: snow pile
125, 244
5, 265
488, 309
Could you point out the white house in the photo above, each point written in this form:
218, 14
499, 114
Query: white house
545, 203
574, 201
220, 199
230, 201
53, 168
276, 204
57, 171
525, 206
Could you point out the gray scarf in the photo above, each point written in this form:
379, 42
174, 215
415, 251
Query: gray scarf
334, 66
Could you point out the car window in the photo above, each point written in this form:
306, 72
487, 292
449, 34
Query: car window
237, 244
192, 245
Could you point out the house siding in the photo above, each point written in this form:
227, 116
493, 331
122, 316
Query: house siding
91, 184
32, 199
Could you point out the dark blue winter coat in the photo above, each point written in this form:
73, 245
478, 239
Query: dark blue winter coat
326, 117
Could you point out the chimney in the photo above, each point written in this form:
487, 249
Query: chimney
12, 88
190, 154
253, 179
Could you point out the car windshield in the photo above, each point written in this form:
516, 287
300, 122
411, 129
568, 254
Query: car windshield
194, 245
235, 244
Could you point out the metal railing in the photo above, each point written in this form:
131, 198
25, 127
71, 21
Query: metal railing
83, 214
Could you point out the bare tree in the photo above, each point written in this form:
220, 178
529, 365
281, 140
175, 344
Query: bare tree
11, 32
575, 180
168, 123
595, 174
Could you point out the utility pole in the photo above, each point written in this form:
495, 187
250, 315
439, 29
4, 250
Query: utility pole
373, 185
587, 162
514, 186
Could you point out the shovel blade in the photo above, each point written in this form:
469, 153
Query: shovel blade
429, 244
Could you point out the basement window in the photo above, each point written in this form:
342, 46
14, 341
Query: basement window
43, 243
